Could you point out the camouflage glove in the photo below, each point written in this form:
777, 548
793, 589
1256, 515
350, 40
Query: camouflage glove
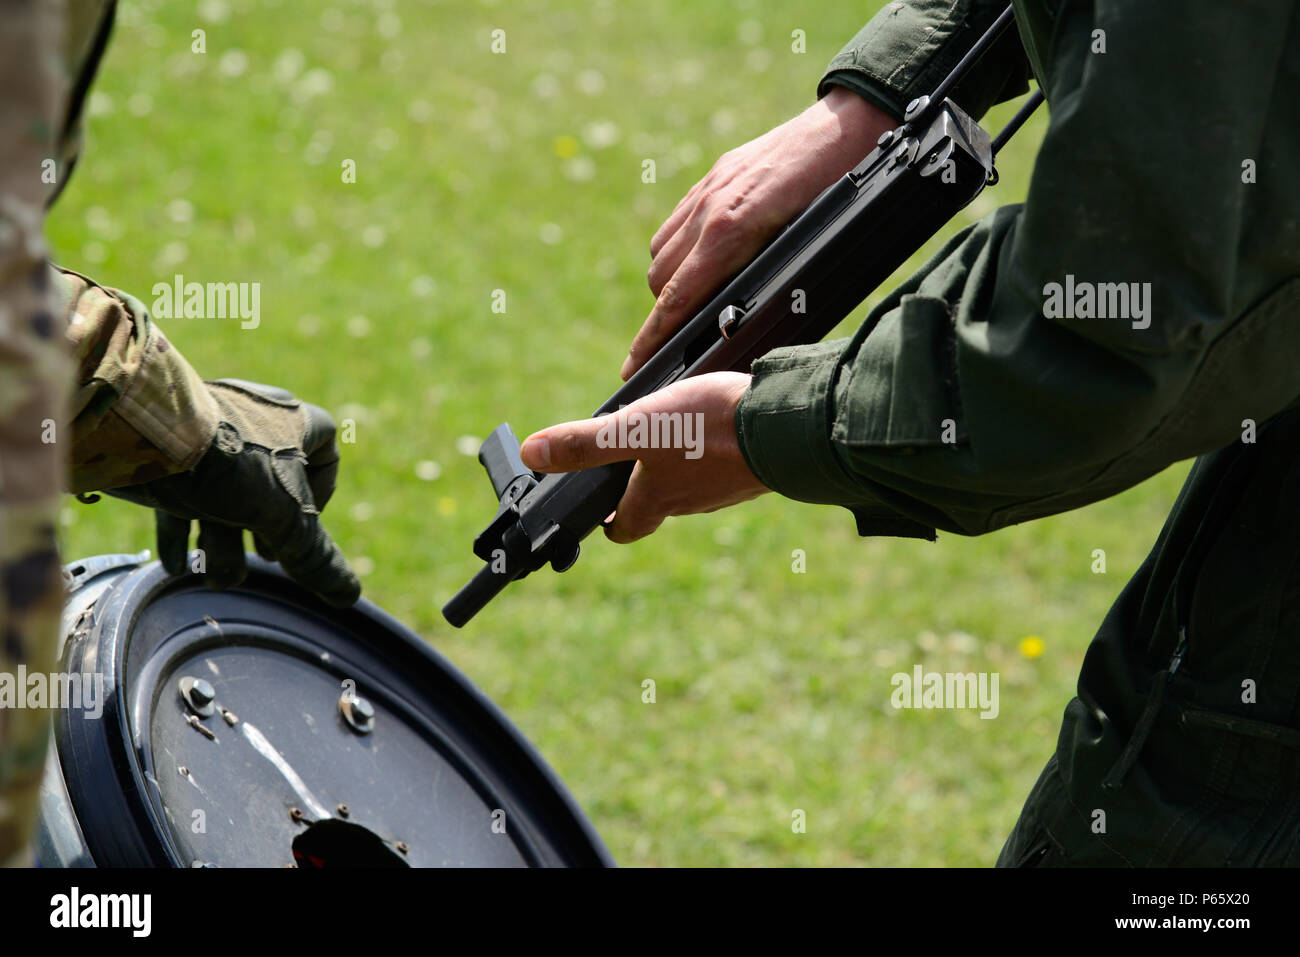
270, 469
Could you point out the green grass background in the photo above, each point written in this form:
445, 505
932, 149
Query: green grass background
522, 172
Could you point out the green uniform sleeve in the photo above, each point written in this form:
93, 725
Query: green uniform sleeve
991, 388
909, 47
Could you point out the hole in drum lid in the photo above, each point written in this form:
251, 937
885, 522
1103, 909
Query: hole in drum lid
332, 843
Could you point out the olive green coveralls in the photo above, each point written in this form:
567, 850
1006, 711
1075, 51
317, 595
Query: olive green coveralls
1171, 158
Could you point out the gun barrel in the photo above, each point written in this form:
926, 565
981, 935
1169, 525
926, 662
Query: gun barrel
474, 596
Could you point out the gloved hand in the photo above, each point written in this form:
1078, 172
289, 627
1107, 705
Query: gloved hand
270, 469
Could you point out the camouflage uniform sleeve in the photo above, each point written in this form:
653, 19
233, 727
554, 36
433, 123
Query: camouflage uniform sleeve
139, 411
34, 378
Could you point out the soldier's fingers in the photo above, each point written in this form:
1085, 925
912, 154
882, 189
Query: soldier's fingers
310, 557
670, 256
704, 268
173, 537
223, 554
722, 174
573, 446
322, 454
681, 212
263, 549
637, 515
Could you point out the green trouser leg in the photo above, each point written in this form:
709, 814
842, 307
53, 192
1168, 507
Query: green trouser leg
1183, 745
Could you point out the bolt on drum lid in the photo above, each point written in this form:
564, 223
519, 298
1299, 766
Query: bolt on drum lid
255, 727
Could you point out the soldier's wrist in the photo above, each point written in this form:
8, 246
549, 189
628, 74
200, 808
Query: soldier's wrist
861, 121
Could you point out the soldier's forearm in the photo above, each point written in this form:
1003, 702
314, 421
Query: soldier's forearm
139, 410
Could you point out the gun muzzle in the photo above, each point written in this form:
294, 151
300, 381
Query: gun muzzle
475, 595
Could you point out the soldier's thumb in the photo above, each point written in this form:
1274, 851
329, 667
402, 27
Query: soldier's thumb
573, 446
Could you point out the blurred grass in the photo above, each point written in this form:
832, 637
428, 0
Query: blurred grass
522, 172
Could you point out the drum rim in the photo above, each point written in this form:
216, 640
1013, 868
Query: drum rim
103, 750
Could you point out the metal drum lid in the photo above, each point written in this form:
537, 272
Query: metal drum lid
255, 727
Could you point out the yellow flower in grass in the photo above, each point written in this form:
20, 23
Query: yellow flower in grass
1031, 646
565, 147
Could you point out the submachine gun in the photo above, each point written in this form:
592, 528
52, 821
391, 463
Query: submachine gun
848, 241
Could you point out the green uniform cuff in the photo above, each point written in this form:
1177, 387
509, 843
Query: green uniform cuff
907, 49
875, 93
783, 423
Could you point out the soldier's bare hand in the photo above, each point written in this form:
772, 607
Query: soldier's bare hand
750, 193
695, 465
